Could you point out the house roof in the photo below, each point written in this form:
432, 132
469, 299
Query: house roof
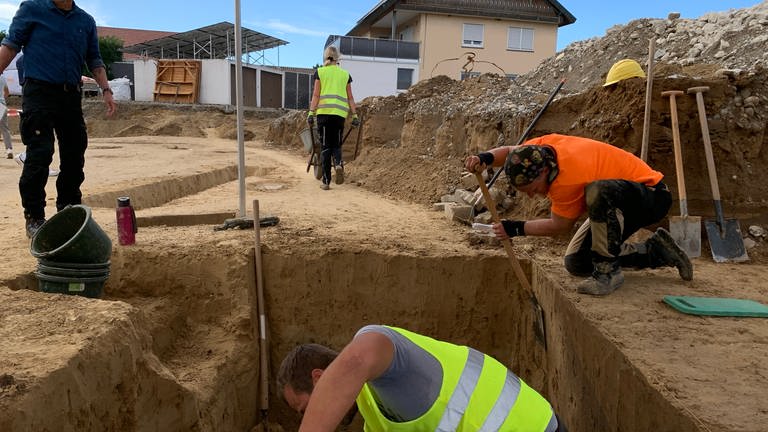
213, 41
526, 10
131, 36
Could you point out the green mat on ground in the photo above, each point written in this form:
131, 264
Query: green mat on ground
717, 306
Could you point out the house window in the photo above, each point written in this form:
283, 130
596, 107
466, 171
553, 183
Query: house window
466, 75
520, 39
404, 78
473, 36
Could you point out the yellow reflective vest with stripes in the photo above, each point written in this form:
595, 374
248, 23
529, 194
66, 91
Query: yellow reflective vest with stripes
478, 394
333, 91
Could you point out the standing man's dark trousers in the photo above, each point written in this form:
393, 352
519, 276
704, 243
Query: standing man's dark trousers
49, 108
617, 209
330, 127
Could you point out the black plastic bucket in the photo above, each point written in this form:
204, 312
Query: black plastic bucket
54, 270
82, 286
78, 266
72, 236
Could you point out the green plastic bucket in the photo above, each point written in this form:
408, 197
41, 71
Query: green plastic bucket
72, 236
82, 286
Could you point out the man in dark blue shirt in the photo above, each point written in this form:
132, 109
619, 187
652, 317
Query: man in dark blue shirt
58, 38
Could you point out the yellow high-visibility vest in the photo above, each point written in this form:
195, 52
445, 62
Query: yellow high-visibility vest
333, 91
477, 394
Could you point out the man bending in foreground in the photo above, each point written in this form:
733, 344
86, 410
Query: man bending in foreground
403, 381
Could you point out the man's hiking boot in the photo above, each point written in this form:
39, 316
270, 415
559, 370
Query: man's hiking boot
33, 224
606, 278
664, 251
339, 174
324, 186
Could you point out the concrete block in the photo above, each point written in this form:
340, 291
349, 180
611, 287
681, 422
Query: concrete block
484, 218
440, 206
464, 197
468, 181
457, 212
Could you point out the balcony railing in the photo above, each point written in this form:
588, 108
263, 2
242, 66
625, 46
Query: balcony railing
379, 48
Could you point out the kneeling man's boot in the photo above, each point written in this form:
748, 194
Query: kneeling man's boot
663, 251
606, 277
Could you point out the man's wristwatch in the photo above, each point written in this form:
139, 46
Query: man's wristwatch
107, 89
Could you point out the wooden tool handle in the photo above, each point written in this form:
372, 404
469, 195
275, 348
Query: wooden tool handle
707, 143
507, 245
648, 93
678, 150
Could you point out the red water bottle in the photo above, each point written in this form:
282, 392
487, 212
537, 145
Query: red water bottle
126, 222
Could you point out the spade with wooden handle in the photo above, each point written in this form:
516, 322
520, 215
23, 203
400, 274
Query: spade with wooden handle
724, 234
685, 229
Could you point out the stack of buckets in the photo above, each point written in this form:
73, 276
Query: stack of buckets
73, 253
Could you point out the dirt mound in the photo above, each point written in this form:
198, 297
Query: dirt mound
151, 119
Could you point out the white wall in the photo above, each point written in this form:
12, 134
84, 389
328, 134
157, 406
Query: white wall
376, 77
144, 75
215, 82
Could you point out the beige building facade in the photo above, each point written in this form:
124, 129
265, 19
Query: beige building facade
501, 36
456, 38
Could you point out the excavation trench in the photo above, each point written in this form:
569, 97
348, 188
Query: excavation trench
180, 351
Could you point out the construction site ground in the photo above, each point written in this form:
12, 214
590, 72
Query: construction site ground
173, 345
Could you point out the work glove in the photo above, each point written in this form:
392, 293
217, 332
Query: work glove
512, 228
484, 160
355, 121
311, 118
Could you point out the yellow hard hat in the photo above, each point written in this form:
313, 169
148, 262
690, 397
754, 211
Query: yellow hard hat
622, 70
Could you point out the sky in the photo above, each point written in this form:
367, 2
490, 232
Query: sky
307, 24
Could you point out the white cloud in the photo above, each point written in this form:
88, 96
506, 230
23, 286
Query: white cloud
8, 10
290, 28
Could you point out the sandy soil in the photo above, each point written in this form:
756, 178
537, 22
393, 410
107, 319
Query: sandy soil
710, 368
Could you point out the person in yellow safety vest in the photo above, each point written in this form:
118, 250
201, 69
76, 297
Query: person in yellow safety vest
332, 101
403, 381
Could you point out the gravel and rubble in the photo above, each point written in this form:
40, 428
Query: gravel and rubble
732, 42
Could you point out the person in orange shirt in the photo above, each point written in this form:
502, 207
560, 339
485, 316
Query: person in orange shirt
617, 190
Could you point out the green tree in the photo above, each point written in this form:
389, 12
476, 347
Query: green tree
110, 48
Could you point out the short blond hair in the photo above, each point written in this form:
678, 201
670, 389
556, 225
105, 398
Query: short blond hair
330, 55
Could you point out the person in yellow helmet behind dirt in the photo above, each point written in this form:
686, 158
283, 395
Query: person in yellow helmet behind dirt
403, 381
623, 69
332, 101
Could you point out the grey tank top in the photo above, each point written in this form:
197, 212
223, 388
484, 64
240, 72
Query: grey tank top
411, 384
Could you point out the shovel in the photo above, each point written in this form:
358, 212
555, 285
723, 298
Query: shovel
686, 230
724, 235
